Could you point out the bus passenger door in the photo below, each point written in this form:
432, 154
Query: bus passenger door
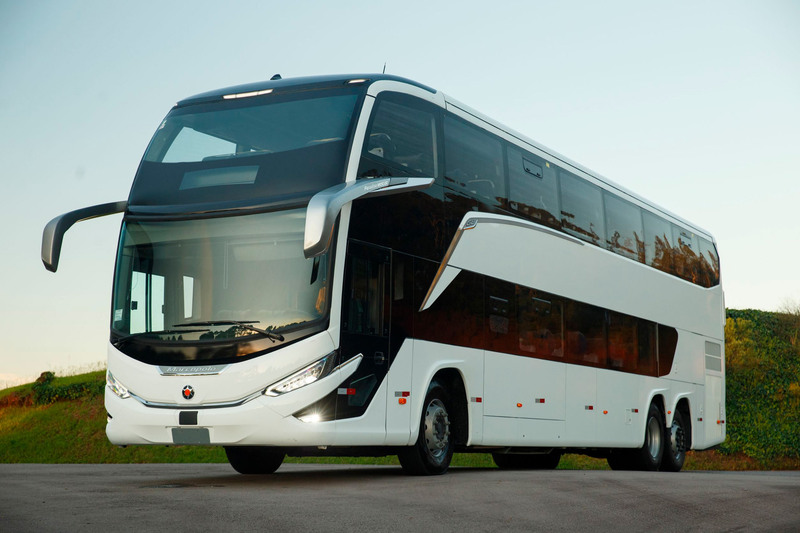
401, 346
365, 327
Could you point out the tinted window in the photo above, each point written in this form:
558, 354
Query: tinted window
366, 299
539, 322
473, 161
623, 342
685, 258
403, 136
581, 208
648, 360
533, 187
624, 233
709, 264
657, 242
231, 153
585, 334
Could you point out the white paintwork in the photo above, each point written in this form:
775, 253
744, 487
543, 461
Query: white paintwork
524, 387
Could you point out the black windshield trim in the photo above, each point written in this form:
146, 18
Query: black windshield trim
219, 209
201, 353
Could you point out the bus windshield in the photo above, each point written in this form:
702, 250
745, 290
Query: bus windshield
217, 279
248, 151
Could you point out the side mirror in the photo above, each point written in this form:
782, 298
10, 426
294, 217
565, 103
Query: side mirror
54, 231
324, 206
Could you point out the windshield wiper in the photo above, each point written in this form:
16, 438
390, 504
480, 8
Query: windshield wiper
244, 324
161, 332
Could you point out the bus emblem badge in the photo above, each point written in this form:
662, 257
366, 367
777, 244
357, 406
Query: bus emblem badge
188, 392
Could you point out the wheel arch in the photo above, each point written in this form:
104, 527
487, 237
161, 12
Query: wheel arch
658, 399
684, 407
452, 380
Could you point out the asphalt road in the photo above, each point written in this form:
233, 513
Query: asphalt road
212, 497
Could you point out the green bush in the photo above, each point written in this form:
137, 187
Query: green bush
45, 392
763, 384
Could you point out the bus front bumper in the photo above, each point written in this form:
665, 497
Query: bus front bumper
254, 423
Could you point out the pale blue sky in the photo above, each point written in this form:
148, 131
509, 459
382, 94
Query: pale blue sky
694, 105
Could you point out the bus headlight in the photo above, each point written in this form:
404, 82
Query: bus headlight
313, 372
116, 387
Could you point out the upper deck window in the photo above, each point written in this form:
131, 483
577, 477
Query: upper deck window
581, 208
248, 151
533, 187
473, 161
709, 264
624, 233
222, 133
402, 136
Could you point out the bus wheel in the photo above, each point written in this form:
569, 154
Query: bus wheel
432, 452
676, 445
648, 457
532, 461
254, 459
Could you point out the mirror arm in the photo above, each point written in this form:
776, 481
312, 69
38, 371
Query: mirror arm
53, 234
325, 206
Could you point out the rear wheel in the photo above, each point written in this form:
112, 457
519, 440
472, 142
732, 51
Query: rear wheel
649, 456
432, 452
254, 459
677, 442
533, 461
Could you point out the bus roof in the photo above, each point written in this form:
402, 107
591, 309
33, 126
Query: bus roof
280, 84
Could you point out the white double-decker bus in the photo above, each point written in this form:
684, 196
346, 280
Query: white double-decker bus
361, 265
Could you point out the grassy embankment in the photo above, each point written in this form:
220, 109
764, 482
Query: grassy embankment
63, 420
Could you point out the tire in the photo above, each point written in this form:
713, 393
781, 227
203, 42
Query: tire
676, 443
433, 451
619, 460
533, 461
649, 456
254, 460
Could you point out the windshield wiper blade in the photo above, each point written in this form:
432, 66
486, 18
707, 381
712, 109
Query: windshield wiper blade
246, 324
161, 332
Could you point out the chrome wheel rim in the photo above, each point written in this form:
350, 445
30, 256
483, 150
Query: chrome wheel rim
677, 438
437, 430
653, 437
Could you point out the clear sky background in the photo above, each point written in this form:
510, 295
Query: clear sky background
693, 105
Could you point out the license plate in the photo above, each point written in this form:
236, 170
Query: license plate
190, 436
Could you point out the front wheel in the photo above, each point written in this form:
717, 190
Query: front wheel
432, 452
256, 460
